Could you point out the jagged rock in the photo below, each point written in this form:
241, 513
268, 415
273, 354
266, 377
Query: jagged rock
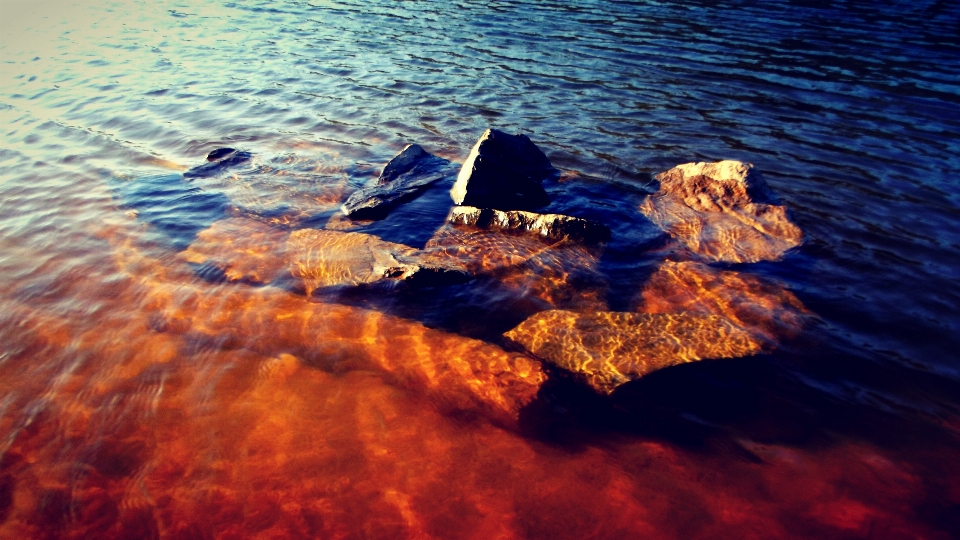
325, 258
503, 171
553, 226
217, 160
243, 249
608, 349
722, 211
404, 177
764, 309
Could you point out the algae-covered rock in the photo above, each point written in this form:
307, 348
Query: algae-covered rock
722, 211
607, 349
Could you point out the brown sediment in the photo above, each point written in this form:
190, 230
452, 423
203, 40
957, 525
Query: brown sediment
722, 212
608, 349
245, 249
765, 309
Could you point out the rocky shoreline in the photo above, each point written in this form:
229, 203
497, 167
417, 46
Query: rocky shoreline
495, 243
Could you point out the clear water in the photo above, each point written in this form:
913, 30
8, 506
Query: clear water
111, 427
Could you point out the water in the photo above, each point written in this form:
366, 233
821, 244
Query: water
120, 420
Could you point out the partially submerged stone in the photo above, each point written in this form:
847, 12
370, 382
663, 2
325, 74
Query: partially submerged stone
403, 178
503, 171
243, 249
325, 258
552, 226
217, 161
722, 211
764, 309
608, 349
556, 273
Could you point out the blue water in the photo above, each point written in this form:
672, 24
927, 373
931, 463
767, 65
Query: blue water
851, 109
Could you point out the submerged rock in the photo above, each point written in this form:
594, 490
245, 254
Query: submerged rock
608, 349
218, 160
404, 177
552, 226
765, 310
722, 211
243, 249
505, 172
325, 258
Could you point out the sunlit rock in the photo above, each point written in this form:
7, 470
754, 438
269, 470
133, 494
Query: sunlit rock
217, 161
764, 309
552, 226
722, 211
503, 171
244, 249
608, 349
559, 273
404, 177
325, 258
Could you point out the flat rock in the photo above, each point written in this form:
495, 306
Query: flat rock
608, 349
403, 178
505, 172
764, 309
243, 249
217, 161
552, 226
722, 211
325, 258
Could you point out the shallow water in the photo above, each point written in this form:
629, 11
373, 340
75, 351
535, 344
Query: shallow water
144, 395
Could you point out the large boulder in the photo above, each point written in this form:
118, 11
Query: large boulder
217, 161
324, 258
607, 349
552, 226
505, 172
403, 177
722, 211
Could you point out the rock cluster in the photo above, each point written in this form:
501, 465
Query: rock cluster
545, 265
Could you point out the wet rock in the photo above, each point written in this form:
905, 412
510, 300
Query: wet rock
504, 172
243, 249
403, 178
554, 273
218, 160
608, 349
552, 226
763, 309
325, 258
722, 211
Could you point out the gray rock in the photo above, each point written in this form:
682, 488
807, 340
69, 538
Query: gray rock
218, 160
403, 178
553, 226
505, 172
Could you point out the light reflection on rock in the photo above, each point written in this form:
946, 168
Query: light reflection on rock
766, 310
608, 349
723, 212
561, 273
244, 249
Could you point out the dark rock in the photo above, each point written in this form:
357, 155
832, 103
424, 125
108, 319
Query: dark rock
553, 226
722, 211
403, 178
218, 160
504, 172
